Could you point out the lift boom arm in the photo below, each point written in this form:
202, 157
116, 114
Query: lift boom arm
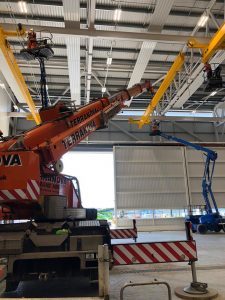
211, 157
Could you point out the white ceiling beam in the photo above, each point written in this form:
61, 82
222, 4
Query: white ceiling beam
89, 67
91, 21
71, 11
91, 13
157, 21
73, 57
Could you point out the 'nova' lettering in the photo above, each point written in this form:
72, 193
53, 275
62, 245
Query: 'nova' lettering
10, 160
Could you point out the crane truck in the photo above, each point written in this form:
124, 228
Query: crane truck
210, 219
45, 230
61, 237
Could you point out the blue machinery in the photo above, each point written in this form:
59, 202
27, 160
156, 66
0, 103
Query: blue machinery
211, 220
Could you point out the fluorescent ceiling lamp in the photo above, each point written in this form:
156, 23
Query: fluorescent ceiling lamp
203, 20
2, 85
213, 93
117, 14
109, 61
194, 111
103, 89
23, 6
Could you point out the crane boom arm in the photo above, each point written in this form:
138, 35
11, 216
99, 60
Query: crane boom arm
63, 126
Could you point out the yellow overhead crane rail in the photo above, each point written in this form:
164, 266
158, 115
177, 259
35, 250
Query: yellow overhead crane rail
216, 43
12, 73
145, 119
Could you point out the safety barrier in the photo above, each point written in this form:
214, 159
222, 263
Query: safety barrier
126, 233
151, 253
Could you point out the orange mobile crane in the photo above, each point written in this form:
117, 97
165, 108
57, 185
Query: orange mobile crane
61, 234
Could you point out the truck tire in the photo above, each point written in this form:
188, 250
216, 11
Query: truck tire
202, 228
217, 228
11, 285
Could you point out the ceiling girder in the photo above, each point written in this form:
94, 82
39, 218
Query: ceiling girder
113, 34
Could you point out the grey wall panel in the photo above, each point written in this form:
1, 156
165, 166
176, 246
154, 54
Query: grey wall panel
149, 177
141, 200
151, 185
156, 177
148, 154
145, 169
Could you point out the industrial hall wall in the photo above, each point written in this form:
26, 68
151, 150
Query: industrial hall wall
163, 177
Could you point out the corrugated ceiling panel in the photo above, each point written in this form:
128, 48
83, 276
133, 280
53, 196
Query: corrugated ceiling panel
32, 22
46, 10
117, 44
119, 28
35, 9
187, 20
149, 177
169, 46
115, 75
71, 10
128, 3
127, 17
117, 55
49, 71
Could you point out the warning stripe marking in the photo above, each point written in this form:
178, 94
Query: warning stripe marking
159, 252
123, 233
32, 192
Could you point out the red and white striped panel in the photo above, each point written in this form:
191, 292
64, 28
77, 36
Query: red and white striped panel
160, 252
32, 192
123, 233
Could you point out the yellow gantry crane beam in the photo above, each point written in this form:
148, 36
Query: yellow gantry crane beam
145, 119
217, 42
12, 73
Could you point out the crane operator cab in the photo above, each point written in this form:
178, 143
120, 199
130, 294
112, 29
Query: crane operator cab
212, 77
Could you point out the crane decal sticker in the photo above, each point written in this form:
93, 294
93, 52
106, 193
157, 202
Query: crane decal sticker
83, 117
78, 135
10, 160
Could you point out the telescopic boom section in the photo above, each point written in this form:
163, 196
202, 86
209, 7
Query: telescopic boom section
64, 127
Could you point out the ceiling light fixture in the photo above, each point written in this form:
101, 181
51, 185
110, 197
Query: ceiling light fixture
203, 20
103, 89
194, 111
117, 14
2, 85
23, 6
213, 93
109, 61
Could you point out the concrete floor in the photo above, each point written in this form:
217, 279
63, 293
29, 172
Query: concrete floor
210, 269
